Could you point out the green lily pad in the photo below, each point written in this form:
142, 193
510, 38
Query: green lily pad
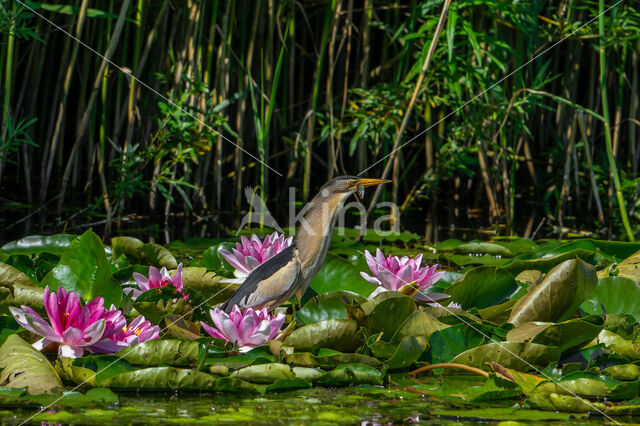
447, 343
159, 256
618, 295
33, 244
516, 355
207, 284
270, 373
339, 274
387, 311
10, 276
419, 323
623, 372
338, 334
566, 335
629, 349
351, 374
483, 287
483, 248
630, 267
162, 378
545, 263
326, 306
129, 246
407, 352
558, 295
84, 268
25, 367
162, 351
307, 359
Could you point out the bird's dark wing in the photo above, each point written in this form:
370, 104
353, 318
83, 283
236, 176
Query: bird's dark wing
268, 282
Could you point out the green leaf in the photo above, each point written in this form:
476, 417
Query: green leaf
419, 323
129, 246
307, 359
351, 374
545, 264
338, 334
481, 247
33, 244
270, 373
162, 378
25, 367
326, 306
566, 335
516, 355
339, 274
447, 343
10, 276
407, 352
482, 287
618, 295
558, 295
629, 349
630, 267
207, 284
387, 311
162, 351
158, 256
84, 268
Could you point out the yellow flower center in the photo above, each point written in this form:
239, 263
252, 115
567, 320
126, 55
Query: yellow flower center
124, 329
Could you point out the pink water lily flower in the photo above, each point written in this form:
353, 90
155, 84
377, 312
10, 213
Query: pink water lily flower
72, 327
251, 253
157, 279
392, 273
120, 336
247, 329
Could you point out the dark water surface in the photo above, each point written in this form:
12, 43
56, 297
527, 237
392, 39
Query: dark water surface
349, 405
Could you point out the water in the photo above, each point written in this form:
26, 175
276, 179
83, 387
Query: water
349, 405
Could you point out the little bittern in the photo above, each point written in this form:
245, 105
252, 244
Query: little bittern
289, 272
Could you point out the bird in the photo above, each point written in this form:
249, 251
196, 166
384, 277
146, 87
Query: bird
289, 272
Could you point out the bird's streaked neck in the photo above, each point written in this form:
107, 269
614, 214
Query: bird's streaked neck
314, 236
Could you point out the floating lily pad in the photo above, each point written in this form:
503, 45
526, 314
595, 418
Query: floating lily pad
565, 335
618, 295
163, 351
419, 323
516, 355
270, 373
326, 306
25, 367
162, 378
387, 311
558, 295
33, 244
351, 374
446, 344
339, 274
337, 334
483, 287
84, 268
307, 359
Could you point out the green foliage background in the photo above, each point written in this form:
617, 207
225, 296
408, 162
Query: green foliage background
316, 89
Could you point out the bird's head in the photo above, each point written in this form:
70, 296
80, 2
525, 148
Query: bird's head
347, 185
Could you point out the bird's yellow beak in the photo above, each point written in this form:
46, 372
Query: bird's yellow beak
360, 184
371, 182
